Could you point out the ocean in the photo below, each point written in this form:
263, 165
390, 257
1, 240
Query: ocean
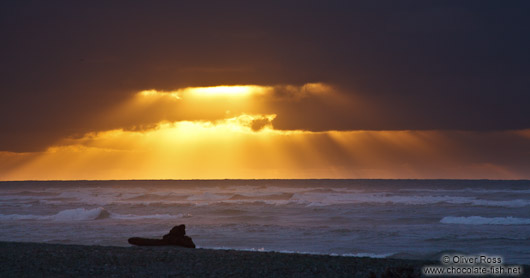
375, 218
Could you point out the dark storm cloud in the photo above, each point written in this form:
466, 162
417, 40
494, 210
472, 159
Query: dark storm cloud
418, 64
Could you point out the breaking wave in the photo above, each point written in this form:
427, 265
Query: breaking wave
470, 190
82, 214
479, 220
272, 195
302, 198
370, 255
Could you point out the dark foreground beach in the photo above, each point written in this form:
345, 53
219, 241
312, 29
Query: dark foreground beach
55, 260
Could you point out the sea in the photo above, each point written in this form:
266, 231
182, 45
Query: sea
374, 218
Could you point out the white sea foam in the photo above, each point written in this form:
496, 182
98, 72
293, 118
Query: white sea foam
467, 189
371, 255
149, 216
518, 203
262, 249
77, 214
82, 214
381, 198
207, 196
479, 220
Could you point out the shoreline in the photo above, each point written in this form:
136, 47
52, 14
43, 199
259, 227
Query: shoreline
28, 259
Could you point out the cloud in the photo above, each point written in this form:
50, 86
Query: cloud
403, 66
145, 109
296, 93
259, 124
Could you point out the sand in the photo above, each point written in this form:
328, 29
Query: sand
55, 260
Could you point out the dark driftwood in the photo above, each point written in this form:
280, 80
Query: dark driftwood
177, 236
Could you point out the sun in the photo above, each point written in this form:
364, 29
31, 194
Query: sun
228, 91
222, 91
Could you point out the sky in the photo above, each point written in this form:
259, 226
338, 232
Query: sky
277, 89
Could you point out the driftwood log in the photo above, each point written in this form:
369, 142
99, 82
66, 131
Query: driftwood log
177, 236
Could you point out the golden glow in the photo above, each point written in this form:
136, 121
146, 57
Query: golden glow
238, 91
228, 91
155, 93
228, 132
231, 148
234, 91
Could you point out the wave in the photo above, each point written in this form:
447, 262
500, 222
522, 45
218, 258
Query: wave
467, 189
309, 199
277, 196
82, 214
371, 255
156, 197
518, 203
476, 238
29, 193
479, 220
383, 198
150, 216
207, 196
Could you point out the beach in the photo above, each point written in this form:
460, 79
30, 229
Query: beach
23, 259
55, 260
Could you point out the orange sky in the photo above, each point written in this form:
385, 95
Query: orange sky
319, 89
229, 132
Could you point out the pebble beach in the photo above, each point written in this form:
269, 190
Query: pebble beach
55, 260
